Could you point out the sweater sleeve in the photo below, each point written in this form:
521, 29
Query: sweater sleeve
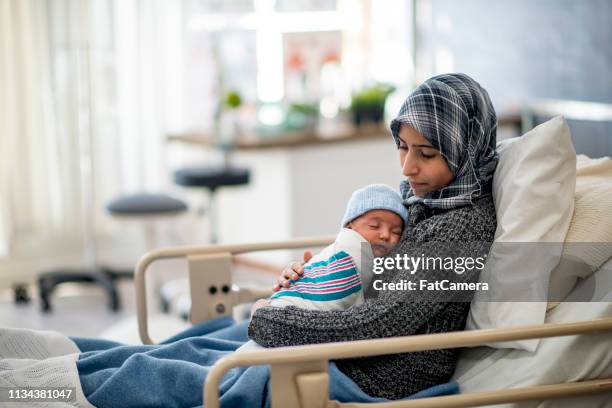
392, 313
291, 326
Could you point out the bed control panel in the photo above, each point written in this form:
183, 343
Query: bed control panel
210, 278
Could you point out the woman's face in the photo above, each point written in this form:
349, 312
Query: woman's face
423, 165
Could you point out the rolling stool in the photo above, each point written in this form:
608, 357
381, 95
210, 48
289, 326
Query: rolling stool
139, 205
211, 178
208, 178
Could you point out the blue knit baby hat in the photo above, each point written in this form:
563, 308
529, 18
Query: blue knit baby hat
374, 197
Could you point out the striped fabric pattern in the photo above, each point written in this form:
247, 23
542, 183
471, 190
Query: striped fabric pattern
328, 280
455, 114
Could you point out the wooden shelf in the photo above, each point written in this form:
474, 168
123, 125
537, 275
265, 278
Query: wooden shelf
344, 134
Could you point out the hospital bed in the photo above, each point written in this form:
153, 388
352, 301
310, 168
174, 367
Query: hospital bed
571, 367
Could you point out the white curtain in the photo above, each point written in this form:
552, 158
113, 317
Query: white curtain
137, 94
88, 90
37, 128
5, 125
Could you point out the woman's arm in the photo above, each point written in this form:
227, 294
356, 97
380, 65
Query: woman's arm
393, 313
290, 326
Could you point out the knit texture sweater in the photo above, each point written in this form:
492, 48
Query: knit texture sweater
394, 313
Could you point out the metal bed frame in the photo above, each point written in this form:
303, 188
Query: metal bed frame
298, 375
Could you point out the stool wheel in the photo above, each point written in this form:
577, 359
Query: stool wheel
21, 294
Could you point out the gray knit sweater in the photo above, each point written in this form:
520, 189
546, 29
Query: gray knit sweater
392, 313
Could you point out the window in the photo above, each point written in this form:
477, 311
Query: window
306, 51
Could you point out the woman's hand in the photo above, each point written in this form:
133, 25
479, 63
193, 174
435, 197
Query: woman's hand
293, 271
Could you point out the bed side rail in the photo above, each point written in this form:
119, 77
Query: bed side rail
210, 280
299, 377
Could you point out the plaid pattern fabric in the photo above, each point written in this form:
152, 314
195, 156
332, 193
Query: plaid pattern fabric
454, 113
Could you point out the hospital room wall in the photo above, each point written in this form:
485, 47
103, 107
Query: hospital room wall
524, 50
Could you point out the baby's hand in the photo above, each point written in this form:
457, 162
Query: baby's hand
258, 304
293, 271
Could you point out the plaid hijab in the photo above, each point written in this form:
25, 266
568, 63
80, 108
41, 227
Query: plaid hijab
454, 113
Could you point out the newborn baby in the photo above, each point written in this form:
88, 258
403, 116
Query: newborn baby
335, 278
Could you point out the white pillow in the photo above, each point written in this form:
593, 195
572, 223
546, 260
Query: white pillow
533, 189
588, 243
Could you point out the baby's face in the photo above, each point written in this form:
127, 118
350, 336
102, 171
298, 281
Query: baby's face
381, 228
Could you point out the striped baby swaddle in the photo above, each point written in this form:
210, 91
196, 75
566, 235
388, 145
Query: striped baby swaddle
332, 279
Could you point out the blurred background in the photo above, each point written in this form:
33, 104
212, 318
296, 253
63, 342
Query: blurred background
127, 125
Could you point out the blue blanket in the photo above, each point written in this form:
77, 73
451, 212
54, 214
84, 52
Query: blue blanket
171, 374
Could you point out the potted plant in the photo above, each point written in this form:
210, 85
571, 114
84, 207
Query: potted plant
302, 116
228, 124
368, 105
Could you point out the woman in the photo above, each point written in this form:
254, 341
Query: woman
446, 136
